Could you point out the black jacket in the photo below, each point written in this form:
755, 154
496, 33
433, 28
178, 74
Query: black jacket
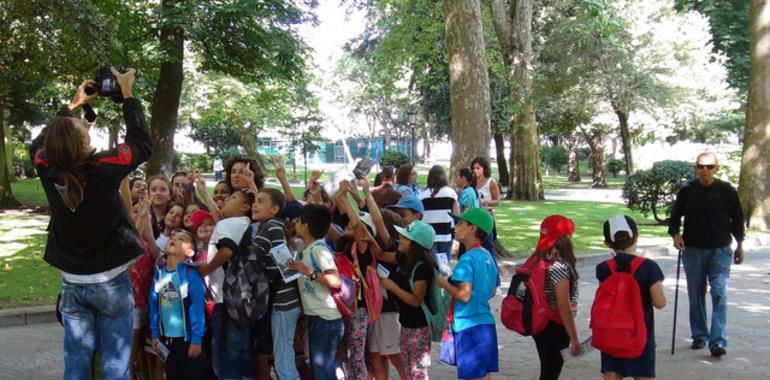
98, 235
711, 215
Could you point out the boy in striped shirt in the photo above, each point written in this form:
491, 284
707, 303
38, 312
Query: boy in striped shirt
286, 310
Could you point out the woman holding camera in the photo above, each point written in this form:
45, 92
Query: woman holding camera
91, 238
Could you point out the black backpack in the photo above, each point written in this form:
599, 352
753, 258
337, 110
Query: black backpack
246, 288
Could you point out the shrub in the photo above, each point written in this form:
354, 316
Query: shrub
614, 166
654, 190
395, 158
557, 158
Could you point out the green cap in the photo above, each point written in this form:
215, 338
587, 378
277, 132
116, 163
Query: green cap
479, 217
419, 232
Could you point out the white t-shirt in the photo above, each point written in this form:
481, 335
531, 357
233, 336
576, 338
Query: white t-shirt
218, 167
316, 298
230, 228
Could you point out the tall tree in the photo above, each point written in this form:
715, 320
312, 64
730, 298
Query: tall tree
469, 81
728, 20
42, 40
513, 26
232, 38
754, 185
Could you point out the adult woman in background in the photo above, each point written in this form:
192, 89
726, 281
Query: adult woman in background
91, 238
489, 194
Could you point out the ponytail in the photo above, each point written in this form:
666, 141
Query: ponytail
64, 148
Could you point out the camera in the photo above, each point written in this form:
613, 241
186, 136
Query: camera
107, 84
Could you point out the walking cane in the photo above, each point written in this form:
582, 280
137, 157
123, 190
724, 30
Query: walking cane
676, 299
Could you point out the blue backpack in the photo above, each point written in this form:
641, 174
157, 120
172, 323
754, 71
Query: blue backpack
435, 305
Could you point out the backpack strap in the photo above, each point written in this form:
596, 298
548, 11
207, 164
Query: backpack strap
634, 265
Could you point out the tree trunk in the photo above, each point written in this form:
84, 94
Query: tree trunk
512, 165
6, 193
468, 80
573, 164
625, 137
502, 165
513, 27
248, 140
426, 145
9, 149
754, 185
165, 101
595, 139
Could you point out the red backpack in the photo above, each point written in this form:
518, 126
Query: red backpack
525, 309
617, 315
345, 295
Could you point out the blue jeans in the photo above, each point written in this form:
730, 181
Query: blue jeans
324, 338
231, 348
284, 325
712, 265
97, 315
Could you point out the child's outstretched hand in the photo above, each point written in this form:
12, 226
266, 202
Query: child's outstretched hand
298, 266
194, 350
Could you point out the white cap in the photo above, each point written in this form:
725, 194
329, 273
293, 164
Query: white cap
366, 218
619, 223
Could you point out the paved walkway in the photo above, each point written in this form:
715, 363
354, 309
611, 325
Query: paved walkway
34, 352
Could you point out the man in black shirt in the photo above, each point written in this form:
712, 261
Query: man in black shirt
712, 212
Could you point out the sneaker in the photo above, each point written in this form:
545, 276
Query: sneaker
697, 344
718, 351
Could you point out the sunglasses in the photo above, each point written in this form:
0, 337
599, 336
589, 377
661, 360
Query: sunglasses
709, 167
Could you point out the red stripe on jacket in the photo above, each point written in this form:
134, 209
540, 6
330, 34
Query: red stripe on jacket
122, 158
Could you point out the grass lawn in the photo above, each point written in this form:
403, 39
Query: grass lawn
25, 279
519, 224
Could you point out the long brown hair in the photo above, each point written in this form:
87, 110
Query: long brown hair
566, 252
436, 179
64, 149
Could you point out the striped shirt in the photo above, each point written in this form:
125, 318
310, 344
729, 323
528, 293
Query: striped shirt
557, 272
270, 234
436, 212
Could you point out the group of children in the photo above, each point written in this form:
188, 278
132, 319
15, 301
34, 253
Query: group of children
387, 245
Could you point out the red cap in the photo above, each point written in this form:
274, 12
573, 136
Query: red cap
552, 228
199, 216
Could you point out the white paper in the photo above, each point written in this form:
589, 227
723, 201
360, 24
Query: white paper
282, 255
443, 264
382, 272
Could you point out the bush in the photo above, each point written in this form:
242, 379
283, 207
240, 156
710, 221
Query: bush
654, 190
392, 157
614, 166
186, 161
555, 157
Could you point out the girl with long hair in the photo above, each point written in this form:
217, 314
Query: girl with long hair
439, 200
91, 238
160, 201
410, 284
561, 290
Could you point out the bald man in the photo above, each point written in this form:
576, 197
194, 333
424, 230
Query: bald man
712, 213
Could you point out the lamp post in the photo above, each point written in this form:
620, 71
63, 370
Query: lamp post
412, 119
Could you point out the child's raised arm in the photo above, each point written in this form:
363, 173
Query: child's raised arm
374, 211
200, 184
220, 258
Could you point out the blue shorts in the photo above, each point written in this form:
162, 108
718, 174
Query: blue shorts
643, 366
476, 349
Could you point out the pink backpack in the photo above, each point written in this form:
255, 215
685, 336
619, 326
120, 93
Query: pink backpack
371, 286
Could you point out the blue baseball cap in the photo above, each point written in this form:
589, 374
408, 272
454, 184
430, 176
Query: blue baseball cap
409, 203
